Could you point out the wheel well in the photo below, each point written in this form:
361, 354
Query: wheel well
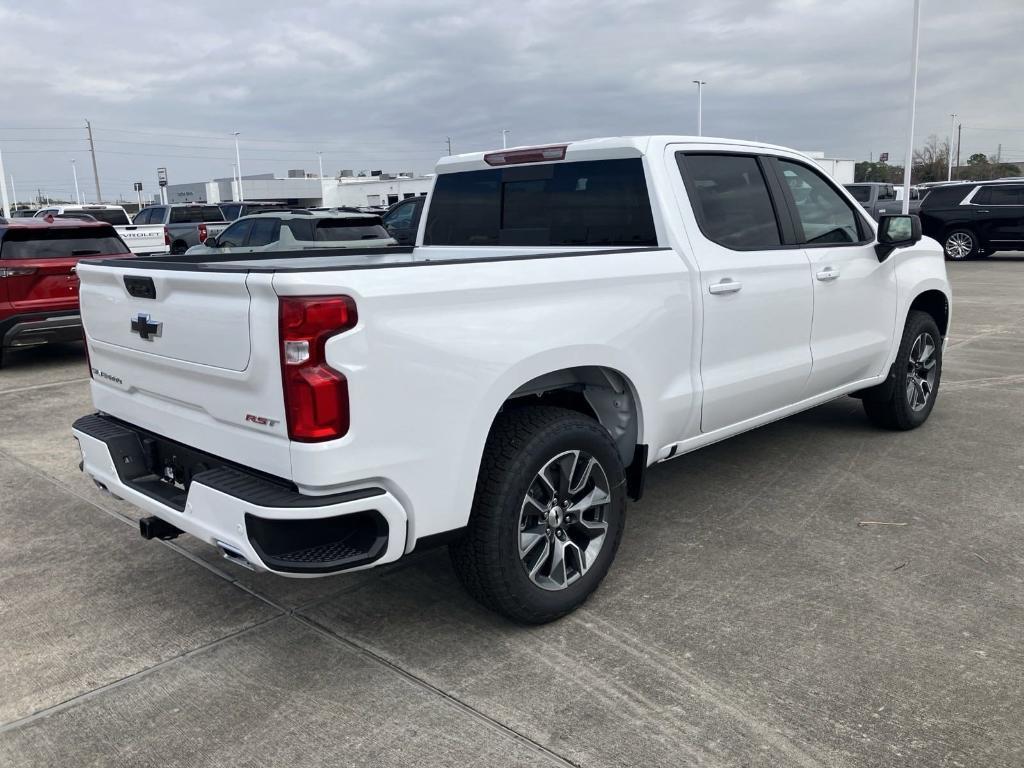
600, 393
936, 305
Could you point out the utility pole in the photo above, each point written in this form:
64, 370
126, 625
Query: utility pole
949, 149
999, 154
14, 193
95, 170
449, 145
504, 137
320, 160
959, 128
908, 164
700, 107
3, 190
78, 196
238, 162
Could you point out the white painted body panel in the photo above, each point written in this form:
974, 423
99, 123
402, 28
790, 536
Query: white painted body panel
439, 347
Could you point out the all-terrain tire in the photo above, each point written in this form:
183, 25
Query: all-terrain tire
894, 404
487, 559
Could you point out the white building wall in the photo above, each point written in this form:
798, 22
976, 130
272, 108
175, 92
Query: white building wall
373, 191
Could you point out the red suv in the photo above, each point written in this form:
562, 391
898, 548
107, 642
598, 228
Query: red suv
38, 284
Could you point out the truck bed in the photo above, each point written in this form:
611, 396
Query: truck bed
346, 259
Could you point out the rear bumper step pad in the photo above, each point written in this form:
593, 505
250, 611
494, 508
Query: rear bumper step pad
285, 531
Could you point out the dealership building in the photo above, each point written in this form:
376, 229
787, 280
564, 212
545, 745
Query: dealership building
303, 189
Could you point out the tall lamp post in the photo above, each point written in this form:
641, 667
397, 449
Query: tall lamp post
74, 172
320, 160
238, 164
700, 106
908, 164
504, 137
952, 124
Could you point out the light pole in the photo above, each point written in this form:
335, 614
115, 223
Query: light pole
238, 164
700, 106
908, 163
6, 210
74, 171
14, 193
504, 137
952, 122
320, 160
234, 182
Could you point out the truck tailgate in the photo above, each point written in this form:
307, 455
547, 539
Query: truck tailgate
181, 354
143, 238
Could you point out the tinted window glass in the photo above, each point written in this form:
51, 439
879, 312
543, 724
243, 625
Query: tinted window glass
824, 215
945, 197
264, 231
1004, 195
860, 193
142, 217
886, 193
602, 202
107, 215
64, 242
231, 211
195, 214
731, 200
234, 236
350, 229
302, 229
400, 216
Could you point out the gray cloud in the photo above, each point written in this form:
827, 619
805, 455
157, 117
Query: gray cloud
381, 84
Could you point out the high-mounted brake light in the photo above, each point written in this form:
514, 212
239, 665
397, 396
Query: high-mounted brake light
315, 395
531, 155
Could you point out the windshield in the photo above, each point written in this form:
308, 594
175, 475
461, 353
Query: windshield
861, 194
61, 243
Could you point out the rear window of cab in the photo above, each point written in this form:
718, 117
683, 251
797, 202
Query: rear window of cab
596, 203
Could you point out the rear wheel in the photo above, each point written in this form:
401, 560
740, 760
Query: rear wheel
178, 248
960, 245
907, 397
547, 517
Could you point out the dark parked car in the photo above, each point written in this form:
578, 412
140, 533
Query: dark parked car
38, 280
402, 219
975, 218
237, 210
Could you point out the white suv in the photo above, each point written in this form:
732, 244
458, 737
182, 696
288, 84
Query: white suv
296, 231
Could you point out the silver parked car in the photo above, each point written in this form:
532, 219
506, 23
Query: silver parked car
298, 231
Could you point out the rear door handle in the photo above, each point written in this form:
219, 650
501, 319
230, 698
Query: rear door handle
726, 285
827, 274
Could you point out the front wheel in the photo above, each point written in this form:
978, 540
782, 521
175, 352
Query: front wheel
548, 514
907, 397
960, 245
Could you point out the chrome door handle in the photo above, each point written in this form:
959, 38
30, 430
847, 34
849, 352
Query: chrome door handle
726, 285
827, 274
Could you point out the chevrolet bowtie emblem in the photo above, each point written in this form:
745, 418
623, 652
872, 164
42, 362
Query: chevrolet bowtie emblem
146, 328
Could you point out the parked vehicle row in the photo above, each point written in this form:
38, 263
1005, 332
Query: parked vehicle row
877, 198
570, 315
141, 238
184, 224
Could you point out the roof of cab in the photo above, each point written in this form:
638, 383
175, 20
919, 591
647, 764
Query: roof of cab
599, 149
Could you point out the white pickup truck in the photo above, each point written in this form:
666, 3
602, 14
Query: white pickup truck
141, 239
570, 315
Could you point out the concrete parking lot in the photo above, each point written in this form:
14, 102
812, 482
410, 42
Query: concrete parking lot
748, 620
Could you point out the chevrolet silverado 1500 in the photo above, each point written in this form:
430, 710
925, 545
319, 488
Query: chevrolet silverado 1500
570, 315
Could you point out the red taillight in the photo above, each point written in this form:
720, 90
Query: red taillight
531, 155
167, 236
202, 233
315, 395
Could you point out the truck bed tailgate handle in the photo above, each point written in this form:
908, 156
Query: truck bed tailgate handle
140, 287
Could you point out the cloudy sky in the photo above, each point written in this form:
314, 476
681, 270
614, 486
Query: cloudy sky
382, 84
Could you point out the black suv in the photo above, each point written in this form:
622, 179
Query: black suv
974, 219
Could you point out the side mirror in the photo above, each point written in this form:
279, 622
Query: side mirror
896, 231
211, 242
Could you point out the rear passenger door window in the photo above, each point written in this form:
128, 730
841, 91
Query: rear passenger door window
235, 235
730, 199
823, 216
264, 232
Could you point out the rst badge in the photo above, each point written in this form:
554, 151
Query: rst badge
263, 421
146, 328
